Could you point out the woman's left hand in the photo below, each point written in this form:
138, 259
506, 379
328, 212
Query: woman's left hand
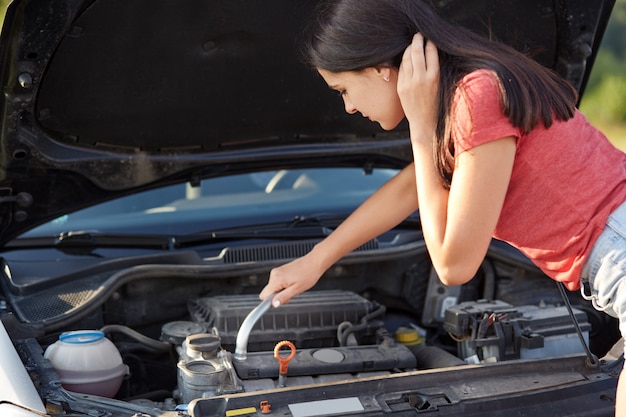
418, 85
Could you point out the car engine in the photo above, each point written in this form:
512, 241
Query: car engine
338, 334
235, 344
162, 336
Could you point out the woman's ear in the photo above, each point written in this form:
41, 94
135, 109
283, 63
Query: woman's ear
384, 72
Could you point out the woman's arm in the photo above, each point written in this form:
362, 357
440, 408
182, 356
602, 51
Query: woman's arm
386, 208
458, 224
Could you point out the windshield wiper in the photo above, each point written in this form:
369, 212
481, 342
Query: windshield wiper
284, 232
95, 239
83, 242
300, 227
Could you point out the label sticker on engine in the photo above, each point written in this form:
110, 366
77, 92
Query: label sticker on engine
326, 407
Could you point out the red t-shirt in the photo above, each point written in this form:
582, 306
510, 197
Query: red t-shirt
566, 179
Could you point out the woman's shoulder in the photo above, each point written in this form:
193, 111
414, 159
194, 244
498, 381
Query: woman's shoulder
479, 87
481, 78
478, 111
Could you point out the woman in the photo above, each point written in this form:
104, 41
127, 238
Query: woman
499, 150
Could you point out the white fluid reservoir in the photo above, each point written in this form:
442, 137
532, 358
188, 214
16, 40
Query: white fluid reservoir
87, 362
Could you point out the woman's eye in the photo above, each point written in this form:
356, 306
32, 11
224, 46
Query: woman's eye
342, 92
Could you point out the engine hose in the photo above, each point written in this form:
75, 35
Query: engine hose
154, 344
343, 337
352, 328
489, 279
433, 357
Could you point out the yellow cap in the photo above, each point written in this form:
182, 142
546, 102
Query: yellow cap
408, 336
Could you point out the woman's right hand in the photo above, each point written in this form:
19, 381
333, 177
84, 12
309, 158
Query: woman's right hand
397, 199
292, 279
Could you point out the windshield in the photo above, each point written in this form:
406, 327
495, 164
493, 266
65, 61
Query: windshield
231, 201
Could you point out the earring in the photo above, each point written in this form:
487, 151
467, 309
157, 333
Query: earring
386, 78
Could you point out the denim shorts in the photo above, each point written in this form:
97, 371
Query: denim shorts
603, 277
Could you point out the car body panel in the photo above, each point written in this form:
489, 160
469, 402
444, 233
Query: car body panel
19, 396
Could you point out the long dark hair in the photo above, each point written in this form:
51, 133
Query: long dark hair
351, 35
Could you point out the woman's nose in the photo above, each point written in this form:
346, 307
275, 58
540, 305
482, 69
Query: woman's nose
350, 109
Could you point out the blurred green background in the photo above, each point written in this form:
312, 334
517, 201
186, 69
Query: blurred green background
604, 101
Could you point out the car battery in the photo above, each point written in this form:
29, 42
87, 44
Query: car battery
309, 320
495, 330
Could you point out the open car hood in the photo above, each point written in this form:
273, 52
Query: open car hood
108, 97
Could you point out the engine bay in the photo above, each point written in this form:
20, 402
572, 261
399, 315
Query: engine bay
178, 334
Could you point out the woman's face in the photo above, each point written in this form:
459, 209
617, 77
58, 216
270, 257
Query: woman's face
371, 92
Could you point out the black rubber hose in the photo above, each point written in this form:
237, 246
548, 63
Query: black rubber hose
433, 357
